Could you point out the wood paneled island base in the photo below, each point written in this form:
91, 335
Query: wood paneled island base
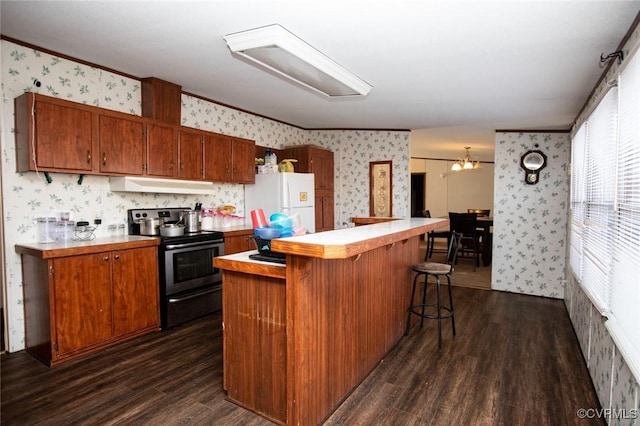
299, 338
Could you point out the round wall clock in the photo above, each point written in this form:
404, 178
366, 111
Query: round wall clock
532, 162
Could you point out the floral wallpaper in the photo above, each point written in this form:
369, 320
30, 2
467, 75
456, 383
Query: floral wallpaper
615, 384
353, 151
530, 221
27, 196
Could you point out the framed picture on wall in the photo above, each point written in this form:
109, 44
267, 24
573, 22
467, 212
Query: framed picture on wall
380, 193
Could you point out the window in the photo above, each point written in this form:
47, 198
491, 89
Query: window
605, 211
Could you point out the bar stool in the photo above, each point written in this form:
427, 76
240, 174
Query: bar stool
437, 270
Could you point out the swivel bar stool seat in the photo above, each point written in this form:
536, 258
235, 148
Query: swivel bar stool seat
437, 270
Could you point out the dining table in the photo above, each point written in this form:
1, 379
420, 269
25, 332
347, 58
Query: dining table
485, 225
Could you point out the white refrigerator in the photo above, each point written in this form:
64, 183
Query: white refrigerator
286, 193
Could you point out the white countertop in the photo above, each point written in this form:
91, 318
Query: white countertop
244, 257
57, 245
362, 233
341, 243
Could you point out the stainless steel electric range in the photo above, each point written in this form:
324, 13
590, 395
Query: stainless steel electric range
190, 286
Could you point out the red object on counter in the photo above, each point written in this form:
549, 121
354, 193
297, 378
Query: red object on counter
258, 219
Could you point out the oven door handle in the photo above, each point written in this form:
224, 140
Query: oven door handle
191, 296
190, 245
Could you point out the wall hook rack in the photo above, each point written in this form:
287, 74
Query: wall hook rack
47, 177
617, 54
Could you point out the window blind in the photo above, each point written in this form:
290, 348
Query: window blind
599, 185
624, 320
577, 200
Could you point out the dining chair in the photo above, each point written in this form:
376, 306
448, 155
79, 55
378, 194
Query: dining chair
480, 212
432, 235
466, 223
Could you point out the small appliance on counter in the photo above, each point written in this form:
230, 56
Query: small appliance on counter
190, 286
264, 252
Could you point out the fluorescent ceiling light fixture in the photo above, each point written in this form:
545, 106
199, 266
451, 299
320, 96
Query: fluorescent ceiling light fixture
280, 51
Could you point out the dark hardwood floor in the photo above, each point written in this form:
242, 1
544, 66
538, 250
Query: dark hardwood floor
515, 361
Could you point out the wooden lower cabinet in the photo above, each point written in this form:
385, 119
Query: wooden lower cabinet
78, 304
238, 241
254, 317
135, 290
311, 343
324, 210
81, 301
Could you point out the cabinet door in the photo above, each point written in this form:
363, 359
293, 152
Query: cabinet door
243, 161
190, 154
135, 290
238, 243
63, 136
324, 211
121, 145
217, 158
162, 151
81, 301
322, 167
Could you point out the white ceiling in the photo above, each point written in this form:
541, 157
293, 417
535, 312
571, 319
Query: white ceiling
433, 64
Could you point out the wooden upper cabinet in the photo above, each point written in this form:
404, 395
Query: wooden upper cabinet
162, 150
70, 137
313, 159
190, 156
322, 167
229, 159
121, 144
161, 100
243, 161
217, 157
59, 135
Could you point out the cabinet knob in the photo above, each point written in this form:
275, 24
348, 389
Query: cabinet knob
104, 158
88, 157
105, 258
116, 257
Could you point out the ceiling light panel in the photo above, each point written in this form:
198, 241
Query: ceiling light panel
280, 51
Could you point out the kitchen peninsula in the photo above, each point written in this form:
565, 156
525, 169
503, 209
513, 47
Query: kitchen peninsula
299, 338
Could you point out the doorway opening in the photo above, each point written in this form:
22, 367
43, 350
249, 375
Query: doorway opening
418, 182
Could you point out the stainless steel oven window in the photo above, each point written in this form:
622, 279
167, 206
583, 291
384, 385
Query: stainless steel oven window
191, 266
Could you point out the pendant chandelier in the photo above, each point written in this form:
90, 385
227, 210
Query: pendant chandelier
466, 163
